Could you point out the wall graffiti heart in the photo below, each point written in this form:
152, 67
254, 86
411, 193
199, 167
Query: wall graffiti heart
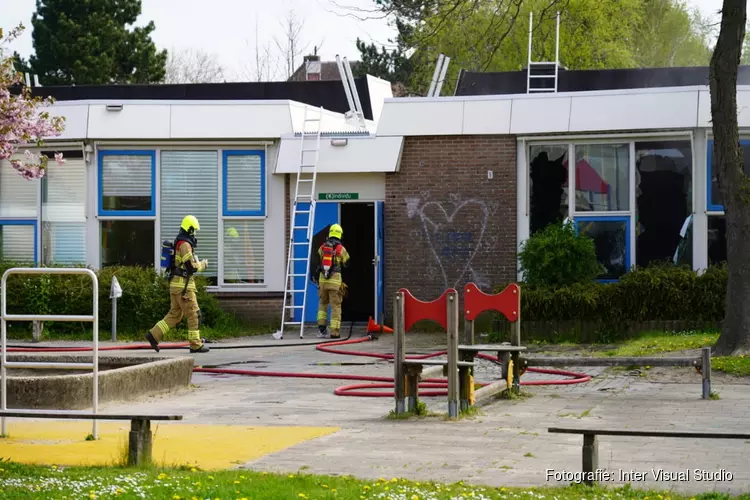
438, 226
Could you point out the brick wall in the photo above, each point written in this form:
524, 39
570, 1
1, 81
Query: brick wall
253, 308
446, 223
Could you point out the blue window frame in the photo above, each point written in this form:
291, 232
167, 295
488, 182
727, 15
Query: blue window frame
246, 196
715, 205
33, 225
151, 211
627, 257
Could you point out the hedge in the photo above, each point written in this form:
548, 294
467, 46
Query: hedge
144, 300
612, 310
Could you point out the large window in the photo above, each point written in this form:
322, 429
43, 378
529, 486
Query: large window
714, 200
664, 172
190, 186
18, 241
64, 210
18, 216
611, 237
717, 242
127, 207
602, 177
127, 243
548, 185
634, 198
243, 217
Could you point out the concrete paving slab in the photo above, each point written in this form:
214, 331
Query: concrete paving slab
505, 444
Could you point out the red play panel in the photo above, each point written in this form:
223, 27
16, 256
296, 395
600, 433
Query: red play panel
417, 310
507, 302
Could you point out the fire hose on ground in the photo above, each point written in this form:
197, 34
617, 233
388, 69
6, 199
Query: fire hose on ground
432, 387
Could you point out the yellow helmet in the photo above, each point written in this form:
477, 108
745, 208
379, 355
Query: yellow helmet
232, 232
335, 231
190, 222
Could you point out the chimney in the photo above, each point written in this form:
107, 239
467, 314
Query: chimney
312, 66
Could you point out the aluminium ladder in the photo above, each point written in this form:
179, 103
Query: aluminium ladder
303, 219
545, 70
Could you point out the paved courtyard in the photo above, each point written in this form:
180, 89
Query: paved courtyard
506, 444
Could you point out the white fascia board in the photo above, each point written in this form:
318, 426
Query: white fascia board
361, 154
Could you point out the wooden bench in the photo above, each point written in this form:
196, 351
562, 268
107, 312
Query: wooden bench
591, 447
139, 444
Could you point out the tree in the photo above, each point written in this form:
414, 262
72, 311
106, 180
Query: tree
487, 36
392, 65
670, 34
20, 119
733, 183
263, 68
290, 46
90, 43
193, 66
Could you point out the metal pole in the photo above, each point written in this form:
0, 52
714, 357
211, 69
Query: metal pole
435, 74
3, 368
114, 319
96, 350
706, 371
443, 71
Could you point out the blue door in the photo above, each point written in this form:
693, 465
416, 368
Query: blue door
379, 261
325, 215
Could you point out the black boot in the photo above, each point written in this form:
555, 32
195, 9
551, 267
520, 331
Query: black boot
202, 348
152, 341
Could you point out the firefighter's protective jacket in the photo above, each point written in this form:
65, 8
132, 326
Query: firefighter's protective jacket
184, 258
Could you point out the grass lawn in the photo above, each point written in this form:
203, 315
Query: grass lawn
20, 481
661, 342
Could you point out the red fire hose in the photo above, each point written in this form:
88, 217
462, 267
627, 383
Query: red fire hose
347, 390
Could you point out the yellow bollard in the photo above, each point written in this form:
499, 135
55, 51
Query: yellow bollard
472, 399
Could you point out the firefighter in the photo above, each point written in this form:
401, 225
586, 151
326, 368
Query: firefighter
333, 257
182, 290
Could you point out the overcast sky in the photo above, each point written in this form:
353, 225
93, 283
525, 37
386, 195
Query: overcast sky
227, 27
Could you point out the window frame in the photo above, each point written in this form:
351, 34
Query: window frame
628, 238
26, 222
710, 205
100, 184
225, 154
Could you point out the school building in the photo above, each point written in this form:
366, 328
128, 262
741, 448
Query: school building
431, 192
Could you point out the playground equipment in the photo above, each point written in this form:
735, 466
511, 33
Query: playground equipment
92, 318
460, 363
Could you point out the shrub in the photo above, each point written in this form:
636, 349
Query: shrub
144, 300
661, 293
557, 256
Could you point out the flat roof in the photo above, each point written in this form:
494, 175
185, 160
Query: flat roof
514, 82
328, 94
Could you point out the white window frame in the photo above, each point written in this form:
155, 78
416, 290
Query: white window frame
235, 287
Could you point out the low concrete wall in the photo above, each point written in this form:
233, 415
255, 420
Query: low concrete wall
135, 377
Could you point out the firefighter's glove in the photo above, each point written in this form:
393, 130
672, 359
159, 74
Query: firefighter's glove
204, 264
344, 291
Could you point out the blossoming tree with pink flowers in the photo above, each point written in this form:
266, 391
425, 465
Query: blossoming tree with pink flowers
21, 121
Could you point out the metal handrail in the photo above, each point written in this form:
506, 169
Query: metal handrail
5, 317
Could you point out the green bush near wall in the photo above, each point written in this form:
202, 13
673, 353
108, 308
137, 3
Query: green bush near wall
144, 300
611, 311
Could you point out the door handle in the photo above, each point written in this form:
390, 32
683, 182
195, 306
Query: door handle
376, 260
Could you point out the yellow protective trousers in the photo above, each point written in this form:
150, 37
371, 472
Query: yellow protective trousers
330, 293
180, 307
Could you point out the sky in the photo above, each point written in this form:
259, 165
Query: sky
227, 28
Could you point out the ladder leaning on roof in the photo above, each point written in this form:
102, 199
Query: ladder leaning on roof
301, 227
543, 70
